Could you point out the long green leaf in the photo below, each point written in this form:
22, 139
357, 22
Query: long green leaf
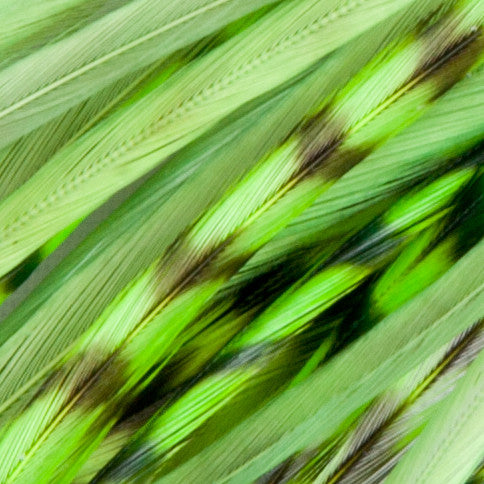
126, 39
451, 446
138, 137
315, 408
387, 428
157, 220
281, 321
25, 29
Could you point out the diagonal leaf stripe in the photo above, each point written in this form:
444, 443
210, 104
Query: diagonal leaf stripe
287, 316
451, 445
122, 41
155, 208
13, 357
315, 408
138, 137
269, 214
168, 318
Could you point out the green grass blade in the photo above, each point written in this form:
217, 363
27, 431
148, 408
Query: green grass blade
13, 382
117, 248
315, 408
451, 447
157, 215
135, 139
398, 163
25, 29
386, 429
118, 332
285, 318
59, 75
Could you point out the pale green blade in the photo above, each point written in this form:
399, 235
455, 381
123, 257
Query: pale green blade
14, 357
124, 40
275, 50
115, 331
451, 447
387, 429
200, 298
29, 25
23, 158
315, 408
155, 216
158, 220
282, 322
397, 163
